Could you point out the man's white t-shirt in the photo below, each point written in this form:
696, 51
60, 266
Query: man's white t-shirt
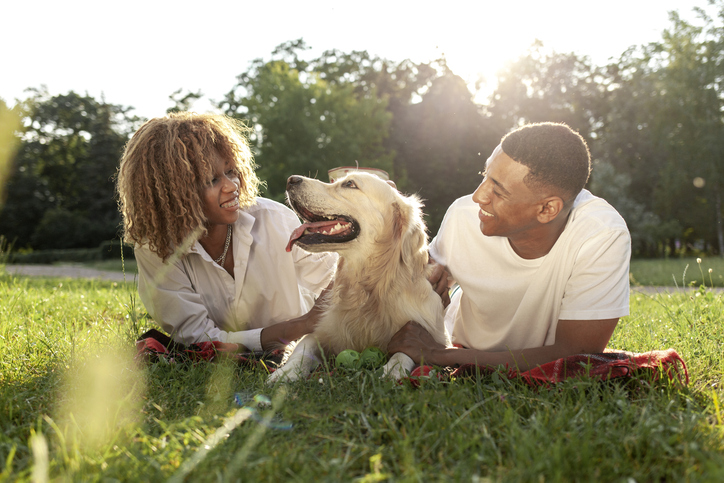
510, 303
195, 299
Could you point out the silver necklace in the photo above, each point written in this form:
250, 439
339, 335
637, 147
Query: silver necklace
222, 258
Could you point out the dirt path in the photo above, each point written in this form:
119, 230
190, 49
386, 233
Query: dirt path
67, 271
72, 271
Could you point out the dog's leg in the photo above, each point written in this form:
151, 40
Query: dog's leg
301, 362
399, 366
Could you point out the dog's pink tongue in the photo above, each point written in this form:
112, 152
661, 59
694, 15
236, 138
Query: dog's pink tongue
317, 226
296, 235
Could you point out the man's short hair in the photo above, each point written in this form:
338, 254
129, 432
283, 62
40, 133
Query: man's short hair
556, 156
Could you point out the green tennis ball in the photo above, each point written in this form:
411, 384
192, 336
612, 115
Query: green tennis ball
372, 357
348, 359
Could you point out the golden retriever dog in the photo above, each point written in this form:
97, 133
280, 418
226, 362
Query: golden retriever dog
381, 280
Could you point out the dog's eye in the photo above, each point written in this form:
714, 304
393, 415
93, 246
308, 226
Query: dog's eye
349, 184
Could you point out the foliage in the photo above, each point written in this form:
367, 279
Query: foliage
665, 129
183, 102
647, 230
168, 421
443, 142
545, 86
61, 194
417, 121
652, 119
304, 123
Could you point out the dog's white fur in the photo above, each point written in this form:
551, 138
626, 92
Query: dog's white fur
381, 279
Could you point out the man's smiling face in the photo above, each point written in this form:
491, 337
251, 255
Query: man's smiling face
508, 207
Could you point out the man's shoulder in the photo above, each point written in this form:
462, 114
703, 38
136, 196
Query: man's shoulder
590, 211
460, 232
464, 206
464, 202
462, 215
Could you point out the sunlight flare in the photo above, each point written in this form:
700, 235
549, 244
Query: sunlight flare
103, 397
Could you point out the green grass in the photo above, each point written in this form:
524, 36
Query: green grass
75, 406
682, 272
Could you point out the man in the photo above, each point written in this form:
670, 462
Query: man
542, 264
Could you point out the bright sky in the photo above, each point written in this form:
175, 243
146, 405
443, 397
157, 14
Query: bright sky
136, 53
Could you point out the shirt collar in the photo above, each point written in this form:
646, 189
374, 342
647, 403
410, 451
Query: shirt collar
242, 233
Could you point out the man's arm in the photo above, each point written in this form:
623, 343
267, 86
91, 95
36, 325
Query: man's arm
441, 281
572, 337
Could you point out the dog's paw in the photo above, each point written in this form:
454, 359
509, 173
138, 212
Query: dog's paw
283, 374
396, 372
398, 366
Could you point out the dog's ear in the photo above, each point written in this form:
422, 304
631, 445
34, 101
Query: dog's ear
399, 220
401, 248
413, 234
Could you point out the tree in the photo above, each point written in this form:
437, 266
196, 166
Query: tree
694, 86
305, 123
438, 135
183, 102
61, 194
548, 86
443, 142
648, 234
417, 121
664, 129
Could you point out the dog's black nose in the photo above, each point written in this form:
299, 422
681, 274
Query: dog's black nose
293, 180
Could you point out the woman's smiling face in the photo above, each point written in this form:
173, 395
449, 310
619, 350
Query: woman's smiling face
221, 195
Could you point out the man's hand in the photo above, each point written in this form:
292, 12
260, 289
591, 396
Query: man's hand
416, 342
440, 280
572, 337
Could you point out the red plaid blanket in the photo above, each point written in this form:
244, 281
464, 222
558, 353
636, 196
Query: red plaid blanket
155, 345
604, 366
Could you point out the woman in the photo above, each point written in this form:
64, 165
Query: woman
211, 254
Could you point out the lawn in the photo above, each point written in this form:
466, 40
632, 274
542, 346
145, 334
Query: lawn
75, 406
681, 272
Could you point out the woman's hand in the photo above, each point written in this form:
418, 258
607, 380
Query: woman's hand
279, 335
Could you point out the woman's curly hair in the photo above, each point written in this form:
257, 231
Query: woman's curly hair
164, 169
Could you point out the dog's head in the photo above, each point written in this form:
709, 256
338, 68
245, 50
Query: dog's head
357, 211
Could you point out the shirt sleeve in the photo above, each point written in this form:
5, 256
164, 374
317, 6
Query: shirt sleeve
314, 270
599, 284
172, 301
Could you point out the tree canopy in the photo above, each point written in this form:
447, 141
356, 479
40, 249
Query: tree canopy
306, 120
652, 118
61, 194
